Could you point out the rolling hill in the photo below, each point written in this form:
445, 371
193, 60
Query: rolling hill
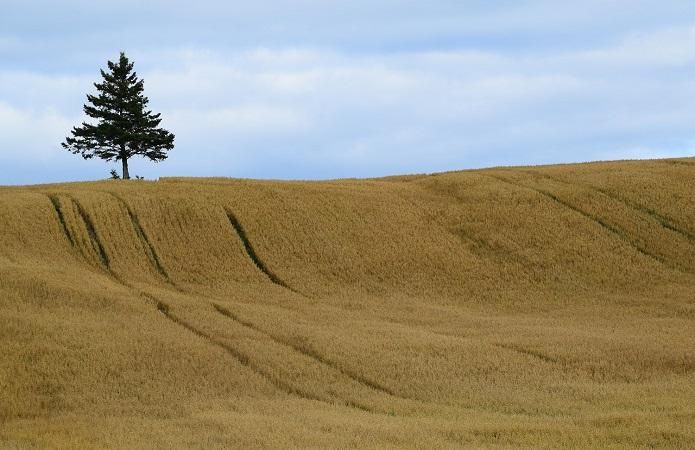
511, 307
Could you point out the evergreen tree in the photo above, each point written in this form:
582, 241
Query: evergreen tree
124, 127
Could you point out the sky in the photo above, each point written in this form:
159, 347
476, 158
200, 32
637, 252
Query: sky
319, 89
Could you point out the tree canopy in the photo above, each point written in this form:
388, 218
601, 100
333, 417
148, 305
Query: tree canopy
123, 127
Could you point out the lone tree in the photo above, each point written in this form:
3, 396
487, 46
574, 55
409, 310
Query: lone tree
124, 127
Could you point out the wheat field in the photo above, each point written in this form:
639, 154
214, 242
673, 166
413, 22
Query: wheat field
533, 307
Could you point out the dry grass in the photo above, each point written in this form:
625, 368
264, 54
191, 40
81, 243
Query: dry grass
546, 307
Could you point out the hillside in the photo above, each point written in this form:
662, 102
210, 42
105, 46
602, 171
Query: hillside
539, 307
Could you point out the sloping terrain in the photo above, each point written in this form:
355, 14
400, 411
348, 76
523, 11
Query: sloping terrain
535, 307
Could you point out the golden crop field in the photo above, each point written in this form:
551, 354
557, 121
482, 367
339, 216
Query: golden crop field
538, 307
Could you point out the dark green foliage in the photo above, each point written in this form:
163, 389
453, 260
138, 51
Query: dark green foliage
124, 127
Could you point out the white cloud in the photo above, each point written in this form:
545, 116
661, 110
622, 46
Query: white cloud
27, 134
246, 119
332, 112
655, 50
38, 90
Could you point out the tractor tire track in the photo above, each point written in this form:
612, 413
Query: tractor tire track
524, 351
617, 232
150, 251
55, 201
307, 352
257, 261
661, 219
248, 362
165, 309
91, 230
239, 356
89, 226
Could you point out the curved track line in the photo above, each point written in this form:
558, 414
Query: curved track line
89, 226
91, 230
246, 361
166, 311
239, 356
56, 206
164, 308
257, 261
147, 244
618, 232
525, 351
311, 354
661, 219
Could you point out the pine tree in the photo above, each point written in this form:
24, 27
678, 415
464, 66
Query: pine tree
124, 127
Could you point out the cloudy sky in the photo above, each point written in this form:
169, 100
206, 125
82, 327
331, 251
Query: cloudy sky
317, 89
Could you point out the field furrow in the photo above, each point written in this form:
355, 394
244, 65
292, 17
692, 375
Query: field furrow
644, 228
257, 261
610, 226
298, 384
142, 236
59, 212
93, 236
243, 358
307, 352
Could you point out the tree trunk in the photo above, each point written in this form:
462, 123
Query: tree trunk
126, 174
